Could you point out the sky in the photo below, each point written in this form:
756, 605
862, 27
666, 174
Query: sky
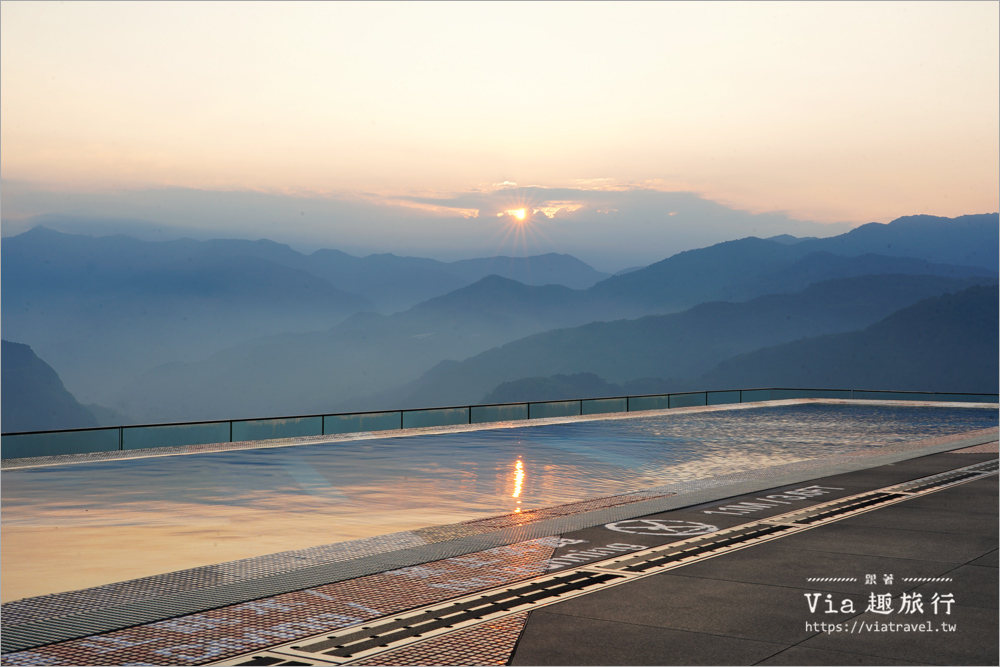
626, 131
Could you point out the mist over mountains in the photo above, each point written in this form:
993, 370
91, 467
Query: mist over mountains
185, 330
677, 347
105, 310
943, 344
946, 343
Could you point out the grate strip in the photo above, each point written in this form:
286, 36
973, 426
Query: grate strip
943, 482
716, 544
268, 659
853, 505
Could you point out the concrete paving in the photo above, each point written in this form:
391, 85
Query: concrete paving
764, 605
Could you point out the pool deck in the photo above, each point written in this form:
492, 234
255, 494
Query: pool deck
752, 606
762, 603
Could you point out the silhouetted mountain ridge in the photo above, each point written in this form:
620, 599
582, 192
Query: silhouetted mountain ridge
946, 343
679, 345
34, 398
943, 344
749, 267
970, 240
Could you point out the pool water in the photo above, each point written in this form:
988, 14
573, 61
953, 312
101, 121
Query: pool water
73, 526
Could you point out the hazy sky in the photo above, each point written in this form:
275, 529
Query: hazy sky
829, 112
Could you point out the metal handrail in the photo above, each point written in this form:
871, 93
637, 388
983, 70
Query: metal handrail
754, 396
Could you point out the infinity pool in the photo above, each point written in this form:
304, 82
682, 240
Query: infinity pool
73, 526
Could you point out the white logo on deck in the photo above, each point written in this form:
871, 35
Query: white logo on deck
664, 527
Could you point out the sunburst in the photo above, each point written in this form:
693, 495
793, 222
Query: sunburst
523, 226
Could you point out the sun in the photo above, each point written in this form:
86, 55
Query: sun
520, 224
519, 214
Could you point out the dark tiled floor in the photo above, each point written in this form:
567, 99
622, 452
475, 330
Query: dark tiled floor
992, 559
800, 655
974, 642
776, 564
607, 643
752, 606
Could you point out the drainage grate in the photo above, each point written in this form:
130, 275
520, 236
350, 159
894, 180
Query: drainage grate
717, 543
268, 660
840, 507
950, 477
993, 465
274, 659
941, 482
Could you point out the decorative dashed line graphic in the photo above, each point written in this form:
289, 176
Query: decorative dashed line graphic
670, 527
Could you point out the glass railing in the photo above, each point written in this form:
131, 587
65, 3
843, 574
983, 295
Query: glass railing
120, 438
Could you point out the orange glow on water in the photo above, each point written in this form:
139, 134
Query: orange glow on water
518, 478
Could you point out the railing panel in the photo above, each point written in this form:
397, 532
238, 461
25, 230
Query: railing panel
360, 423
638, 403
966, 398
599, 406
688, 400
722, 397
174, 435
754, 395
782, 394
435, 417
19, 446
871, 395
499, 413
272, 429
547, 409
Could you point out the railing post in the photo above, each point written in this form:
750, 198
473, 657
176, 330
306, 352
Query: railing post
121, 446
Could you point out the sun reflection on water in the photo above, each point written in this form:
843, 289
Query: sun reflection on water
518, 481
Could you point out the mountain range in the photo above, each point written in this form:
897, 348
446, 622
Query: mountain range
105, 310
945, 344
33, 396
677, 346
184, 330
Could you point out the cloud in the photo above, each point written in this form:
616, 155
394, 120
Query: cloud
609, 228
